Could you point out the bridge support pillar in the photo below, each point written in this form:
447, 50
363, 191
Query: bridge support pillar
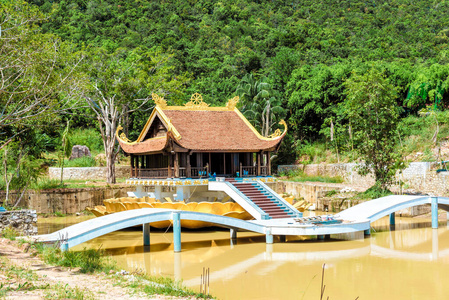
64, 246
233, 233
146, 234
268, 236
434, 208
176, 231
392, 219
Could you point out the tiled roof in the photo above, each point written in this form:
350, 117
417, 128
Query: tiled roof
198, 127
206, 130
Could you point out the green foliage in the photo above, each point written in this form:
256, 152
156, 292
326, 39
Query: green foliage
305, 50
314, 93
300, 176
60, 291
260, 104
45, 183
89, 137
10, 233
374, 192
370, 106
88, 261
85, 161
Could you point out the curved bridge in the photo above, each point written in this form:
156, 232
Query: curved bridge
381, 207
87, 230
356, 218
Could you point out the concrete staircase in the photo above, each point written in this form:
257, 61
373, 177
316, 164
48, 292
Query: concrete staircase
269, 202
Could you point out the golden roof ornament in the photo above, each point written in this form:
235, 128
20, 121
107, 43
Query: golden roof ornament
123, 135
160, 101
196, 102
232, 103
278, 132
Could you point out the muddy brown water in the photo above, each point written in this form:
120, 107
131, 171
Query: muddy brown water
411, 262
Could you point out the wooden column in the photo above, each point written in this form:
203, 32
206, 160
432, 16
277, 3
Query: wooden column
269, 162
210, 163
169, 165
132, 165
224, 163
188, 167
176, 165
258, 163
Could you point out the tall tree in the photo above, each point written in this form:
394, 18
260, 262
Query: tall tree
120, 84
37, 71
259, 103
372, 110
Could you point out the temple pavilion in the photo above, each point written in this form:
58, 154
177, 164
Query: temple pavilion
191, 144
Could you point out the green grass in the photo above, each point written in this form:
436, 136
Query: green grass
93, 261
88, 261
299, 176
45, 183
81, 162
60, 291
10, 233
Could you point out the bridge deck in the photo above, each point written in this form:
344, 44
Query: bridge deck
357, 218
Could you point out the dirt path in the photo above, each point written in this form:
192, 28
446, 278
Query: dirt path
23, 276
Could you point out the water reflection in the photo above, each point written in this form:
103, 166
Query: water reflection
406, 263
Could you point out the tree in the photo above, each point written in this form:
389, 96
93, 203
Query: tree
259, 104
120, 84
37, 75
371, 109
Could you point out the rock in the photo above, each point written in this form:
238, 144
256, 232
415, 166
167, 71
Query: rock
80, 151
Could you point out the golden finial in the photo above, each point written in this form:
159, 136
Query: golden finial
278, 132
196, 102
122, 135
160, 101
232, 103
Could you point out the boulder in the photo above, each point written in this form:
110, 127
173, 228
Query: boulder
79, 151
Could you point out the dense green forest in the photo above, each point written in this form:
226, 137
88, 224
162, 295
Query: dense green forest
303, 49
294, 56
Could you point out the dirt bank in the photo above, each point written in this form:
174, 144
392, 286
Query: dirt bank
24, 276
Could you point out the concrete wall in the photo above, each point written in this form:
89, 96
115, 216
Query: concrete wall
88, 173
418, 177
307, 190
68, 201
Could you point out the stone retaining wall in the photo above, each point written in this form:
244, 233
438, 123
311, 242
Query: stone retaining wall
87, 173
69, 201
418, 177
23, 221
311, 192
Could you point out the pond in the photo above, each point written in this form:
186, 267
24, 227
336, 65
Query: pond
408, 262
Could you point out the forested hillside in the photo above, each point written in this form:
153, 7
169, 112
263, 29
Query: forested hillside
294, 57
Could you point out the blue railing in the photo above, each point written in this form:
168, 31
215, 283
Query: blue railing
264, 215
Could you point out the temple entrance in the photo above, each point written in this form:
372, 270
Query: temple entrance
217, 164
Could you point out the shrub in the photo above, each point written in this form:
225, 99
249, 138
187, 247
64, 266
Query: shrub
46, 184
84, 161
89, 137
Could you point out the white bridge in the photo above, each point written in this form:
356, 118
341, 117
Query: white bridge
356, 218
